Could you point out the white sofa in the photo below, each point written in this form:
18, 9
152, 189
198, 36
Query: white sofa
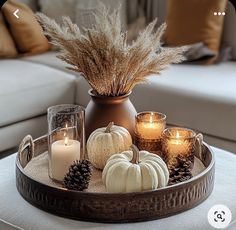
199, 97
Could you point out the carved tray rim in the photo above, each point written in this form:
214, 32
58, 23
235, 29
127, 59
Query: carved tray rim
112, 196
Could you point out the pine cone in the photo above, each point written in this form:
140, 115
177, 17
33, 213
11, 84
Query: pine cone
181, 171
78, 176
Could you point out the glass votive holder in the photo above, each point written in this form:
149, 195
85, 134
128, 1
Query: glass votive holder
148, 130
66, 138
180, 142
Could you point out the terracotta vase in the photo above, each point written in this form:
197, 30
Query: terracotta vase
101, 110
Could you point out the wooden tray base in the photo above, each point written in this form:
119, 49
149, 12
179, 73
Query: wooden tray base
108, 207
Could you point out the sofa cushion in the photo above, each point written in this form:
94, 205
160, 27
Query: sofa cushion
199, 97
28, 89
11, 135
49, 59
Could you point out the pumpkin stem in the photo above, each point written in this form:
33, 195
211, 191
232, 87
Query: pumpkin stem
135, 159
108, 128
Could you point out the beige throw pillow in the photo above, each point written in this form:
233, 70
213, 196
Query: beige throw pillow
190, 22
7, 46
26, 31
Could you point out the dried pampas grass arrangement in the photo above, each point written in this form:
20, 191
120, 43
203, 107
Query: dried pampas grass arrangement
102, 55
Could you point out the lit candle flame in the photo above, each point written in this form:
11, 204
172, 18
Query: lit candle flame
177, 134
151, 118
66, 140
66, 131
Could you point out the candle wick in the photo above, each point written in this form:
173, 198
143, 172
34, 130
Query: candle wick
66, 141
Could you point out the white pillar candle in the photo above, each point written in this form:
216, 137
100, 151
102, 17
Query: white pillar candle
63, 154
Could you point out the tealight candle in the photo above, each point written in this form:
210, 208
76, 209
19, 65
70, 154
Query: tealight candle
150, 125
148, 130
178, 142
63, 154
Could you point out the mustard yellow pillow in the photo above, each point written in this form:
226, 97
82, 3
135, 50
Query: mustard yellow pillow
26, 31
7, 46
193, 21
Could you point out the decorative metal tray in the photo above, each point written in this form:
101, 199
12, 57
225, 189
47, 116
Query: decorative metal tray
108, 207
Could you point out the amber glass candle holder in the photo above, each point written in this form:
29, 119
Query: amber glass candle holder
66, 138
179, 142
148, 130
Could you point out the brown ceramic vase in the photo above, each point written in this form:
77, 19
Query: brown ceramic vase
102, 109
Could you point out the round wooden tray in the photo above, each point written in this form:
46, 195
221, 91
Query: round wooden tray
113, 208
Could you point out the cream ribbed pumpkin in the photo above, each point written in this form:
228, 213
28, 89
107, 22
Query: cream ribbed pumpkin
134, 171
104, 142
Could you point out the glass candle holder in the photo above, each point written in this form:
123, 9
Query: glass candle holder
66, 138
179, 142
148, 129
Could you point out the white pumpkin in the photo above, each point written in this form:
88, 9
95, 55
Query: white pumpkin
104, 142
135, 171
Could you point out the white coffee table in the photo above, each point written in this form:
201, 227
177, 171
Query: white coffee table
15, 210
